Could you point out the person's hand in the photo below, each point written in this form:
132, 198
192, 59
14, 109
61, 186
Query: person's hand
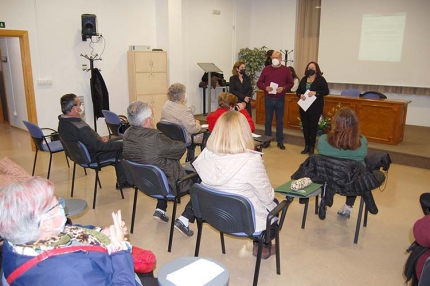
280, 89
116, 234
303, 97
106, 230
240, 106
269, 89
247, 99
312, 93
197, 121
105, 139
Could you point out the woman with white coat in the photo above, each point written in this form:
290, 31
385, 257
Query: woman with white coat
229, 164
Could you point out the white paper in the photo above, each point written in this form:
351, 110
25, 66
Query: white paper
205, 126
255, 135
274, 86
197, 273
304, 104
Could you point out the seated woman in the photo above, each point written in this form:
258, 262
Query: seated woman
344, 141
32, 222
229, 164
227, 102
176, 111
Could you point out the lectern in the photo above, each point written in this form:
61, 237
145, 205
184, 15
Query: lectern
209, 68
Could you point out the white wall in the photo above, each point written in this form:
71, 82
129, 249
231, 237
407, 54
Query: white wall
55, 44
14, 82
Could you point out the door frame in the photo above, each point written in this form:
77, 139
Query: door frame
27, 72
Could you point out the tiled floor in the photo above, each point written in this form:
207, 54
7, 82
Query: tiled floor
321, 254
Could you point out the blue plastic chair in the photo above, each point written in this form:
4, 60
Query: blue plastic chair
152, 181
234, 215
373, 95
79, 154
114, 124
351, 92
42, 144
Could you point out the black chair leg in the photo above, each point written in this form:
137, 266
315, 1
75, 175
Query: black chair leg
172, 225
278, 254
67, 160
199, 237
357, 228
305, 212
95, 188
258, 262
73, 179
366, 212
34, 164
85, 171
49, 167
221, 235
316, 204
134, 209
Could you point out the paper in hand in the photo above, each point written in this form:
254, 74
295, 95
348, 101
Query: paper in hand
274, 86
304, 104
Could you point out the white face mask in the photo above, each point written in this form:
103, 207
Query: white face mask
59, 229
185, 98
81, 113
275, 62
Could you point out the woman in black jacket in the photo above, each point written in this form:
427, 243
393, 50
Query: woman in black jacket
312, 84
240, 85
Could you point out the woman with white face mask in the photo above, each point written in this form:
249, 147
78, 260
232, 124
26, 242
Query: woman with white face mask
39, 249
313, 84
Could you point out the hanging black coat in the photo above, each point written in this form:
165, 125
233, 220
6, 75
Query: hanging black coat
99, 93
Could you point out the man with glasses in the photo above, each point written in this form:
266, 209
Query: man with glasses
72, 128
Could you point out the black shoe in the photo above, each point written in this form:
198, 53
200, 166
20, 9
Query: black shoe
281, 146
182, 228
311, 150
124, 185
306, 150
160, 216
265, 145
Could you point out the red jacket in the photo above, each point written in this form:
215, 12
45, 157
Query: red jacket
213, 117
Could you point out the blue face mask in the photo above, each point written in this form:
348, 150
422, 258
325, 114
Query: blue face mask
61, 213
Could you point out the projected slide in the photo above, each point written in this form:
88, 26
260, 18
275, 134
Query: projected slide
382, 37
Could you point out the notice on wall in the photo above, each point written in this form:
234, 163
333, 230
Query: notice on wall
382, 37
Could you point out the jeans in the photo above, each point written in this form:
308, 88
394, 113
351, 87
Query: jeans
274, 105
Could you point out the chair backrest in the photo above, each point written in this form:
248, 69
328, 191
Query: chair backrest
76, 151
352, 92
373, 95
149, 179
173, 131
226, 212
113, 122
36, 134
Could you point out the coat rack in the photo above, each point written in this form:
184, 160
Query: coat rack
92, 58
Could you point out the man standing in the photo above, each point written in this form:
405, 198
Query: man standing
146, 145
72, 128
275, 80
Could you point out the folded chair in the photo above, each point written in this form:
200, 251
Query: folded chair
234, 215
79, 154
42, 144
177, 132
152, 181
115, 126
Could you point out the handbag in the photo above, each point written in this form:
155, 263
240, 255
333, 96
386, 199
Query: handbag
300, 183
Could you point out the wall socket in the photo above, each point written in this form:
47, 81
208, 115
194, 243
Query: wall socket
44, 81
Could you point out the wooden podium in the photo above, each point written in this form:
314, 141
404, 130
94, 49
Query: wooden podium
381, 120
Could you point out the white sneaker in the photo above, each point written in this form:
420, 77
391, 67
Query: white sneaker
345, 211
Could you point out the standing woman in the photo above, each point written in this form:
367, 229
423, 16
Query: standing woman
317, 86
240, 85
295, 78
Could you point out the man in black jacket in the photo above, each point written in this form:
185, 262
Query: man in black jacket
72, 128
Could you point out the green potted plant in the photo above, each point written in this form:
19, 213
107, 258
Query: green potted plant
254, 60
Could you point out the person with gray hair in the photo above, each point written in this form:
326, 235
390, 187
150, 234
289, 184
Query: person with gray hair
32, 222
145, 145
175, 110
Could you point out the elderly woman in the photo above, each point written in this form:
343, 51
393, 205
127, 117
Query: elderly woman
176, 111
228, 163
228, 102
40, 250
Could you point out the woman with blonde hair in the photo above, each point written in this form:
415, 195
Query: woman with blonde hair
229, 164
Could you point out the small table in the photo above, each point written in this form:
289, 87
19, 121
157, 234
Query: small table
261, 140
178, 263
74, 206
313, 190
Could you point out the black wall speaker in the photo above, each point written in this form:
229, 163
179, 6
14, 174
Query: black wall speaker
89, 26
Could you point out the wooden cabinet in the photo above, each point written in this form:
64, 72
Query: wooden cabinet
381, 120
147, 79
